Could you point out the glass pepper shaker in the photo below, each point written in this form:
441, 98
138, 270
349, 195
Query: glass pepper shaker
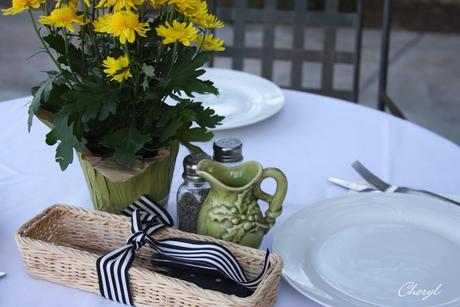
191, 193
228, 151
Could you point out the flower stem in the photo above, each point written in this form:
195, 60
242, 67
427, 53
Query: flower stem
159, 53
138, 40
47, 11
170, 14
82, 48
67, 54
93, 10
58, 66
131, 62
201, 43
94, 42
126, 49
173, 59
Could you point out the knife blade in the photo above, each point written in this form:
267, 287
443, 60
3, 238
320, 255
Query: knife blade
2, 274
350, 185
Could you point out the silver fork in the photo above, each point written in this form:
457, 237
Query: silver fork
385, 187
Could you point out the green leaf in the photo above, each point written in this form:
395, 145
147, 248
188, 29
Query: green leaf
42, 93
185, 72
207, 117
204, 117
148, 70
199, 135
55, 102
64, 133
93, 99
145, 84
189, 115
57, 43
192, 148
125, 142
153, 93
189, 65
171, 129
197, 86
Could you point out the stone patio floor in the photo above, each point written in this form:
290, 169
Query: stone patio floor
424, 69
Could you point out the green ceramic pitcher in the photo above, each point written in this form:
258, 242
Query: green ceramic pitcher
230, 211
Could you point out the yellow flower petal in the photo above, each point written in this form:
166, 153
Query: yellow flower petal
63, 17
120, 4
177, 32
19, 6
211, 43
208, 21
131, 36
117, 68
158, 3
190, 8
122, 24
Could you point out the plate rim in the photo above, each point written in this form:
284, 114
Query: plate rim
306, 292
279, 105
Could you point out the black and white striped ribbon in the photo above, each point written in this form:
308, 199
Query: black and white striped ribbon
148, 217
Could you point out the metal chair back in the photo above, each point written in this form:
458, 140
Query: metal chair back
299, 17
383, 99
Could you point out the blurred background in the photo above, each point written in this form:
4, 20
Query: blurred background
423, 68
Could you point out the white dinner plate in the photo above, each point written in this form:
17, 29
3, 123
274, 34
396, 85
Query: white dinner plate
375, 249
243, 99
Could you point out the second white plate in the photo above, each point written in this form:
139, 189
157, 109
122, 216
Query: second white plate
244, 98
375, 249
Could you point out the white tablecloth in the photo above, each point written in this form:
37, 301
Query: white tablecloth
312, 138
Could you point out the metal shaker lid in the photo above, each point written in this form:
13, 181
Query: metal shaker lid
190, 164
228, 150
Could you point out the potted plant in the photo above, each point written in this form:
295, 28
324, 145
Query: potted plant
117, 62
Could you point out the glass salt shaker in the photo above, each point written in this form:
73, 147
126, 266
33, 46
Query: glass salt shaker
228, 151
191, 193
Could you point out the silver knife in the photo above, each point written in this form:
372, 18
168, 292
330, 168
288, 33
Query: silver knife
350, 185
2, 274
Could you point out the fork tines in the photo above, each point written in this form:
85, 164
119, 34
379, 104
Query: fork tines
370, 177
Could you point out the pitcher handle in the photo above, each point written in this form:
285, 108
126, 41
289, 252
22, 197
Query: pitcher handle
274, 201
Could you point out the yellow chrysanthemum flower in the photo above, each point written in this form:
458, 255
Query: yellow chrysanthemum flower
211, 43
178, 31
120, 4
19, 6
123, 24
72, 3
197, 10
117, 68
63, 17
208, 21
190, 7
158, 3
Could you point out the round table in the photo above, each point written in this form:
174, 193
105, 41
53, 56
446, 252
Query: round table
312, 138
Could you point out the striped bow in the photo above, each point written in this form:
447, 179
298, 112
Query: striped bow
148, 217
112, 268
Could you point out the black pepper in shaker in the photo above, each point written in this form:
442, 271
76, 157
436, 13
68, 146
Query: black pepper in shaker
191, 193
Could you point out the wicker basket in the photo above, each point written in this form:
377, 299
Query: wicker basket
62, 243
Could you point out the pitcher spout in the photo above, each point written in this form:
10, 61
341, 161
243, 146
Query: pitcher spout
229, 178
205, 169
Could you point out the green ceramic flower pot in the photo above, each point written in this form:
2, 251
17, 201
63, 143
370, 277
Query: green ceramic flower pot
230, 211
113, 197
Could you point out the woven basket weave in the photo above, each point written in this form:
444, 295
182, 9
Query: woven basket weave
62, 244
